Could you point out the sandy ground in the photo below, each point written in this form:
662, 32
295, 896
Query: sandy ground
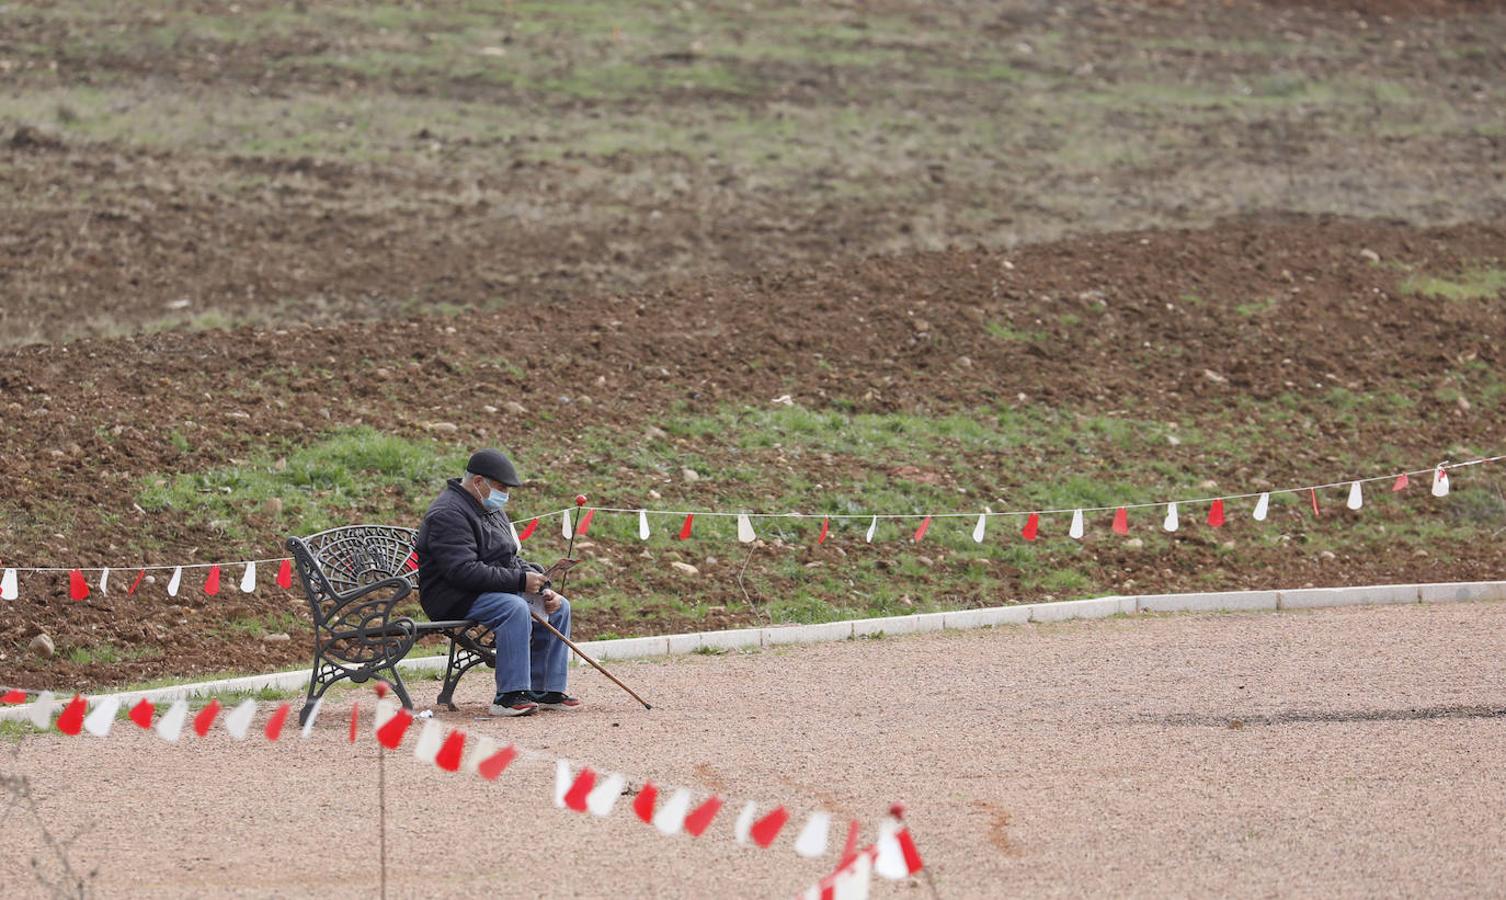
1350, 752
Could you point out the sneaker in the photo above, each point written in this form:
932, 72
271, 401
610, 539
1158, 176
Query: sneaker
556, 700
513, 703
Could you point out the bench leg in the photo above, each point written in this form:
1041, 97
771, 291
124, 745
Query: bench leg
398, 688
321, 679
466, 652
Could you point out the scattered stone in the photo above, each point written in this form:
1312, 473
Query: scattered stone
514, 408
925, 561
690, 474
711, 560
280, 637
273, 506
1327, 554
1462, 403
42, 646
655, 433
444, 427
965, 362
1214, 377
1173, 440
921, 326
1207, 484
1134, 544
684, 568
1370, 255
906, 601
490, 410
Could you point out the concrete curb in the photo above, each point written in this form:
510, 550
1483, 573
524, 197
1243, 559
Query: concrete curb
1062, 611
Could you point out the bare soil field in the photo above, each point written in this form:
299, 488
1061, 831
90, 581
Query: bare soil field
283, 163
1339, 753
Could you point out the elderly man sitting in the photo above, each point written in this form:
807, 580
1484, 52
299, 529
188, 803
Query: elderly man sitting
469, 568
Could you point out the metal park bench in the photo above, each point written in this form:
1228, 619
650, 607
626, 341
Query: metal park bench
354, 577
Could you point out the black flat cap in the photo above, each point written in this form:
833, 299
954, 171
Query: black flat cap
494, 465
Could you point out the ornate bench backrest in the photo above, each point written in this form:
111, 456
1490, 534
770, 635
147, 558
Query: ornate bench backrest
354, 556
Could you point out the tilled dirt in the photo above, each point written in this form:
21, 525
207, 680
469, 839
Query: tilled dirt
1113, 329
1346, 752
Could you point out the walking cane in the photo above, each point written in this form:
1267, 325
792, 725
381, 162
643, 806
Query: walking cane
578, 652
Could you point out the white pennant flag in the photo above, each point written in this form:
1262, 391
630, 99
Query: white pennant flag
671, 816
308, 724
604, 796
99, 720
1076, 529
642, 525
565, 526
871, 526
812, 840
745, 529
386, 708
1173, 522
42, 709
889, 861
978, 529
171, 723
429, 741
104, 581
1440, 482
248, 580
481, 747
238, 720
561, 781
177, 579
854, 881
1262, 506
8, 589
743, 827
1356, 499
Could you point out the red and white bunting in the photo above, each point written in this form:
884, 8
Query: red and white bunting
1440, 482
9, 589
643, 525
745, 529
1172, 521
1262, 507
1076, 531
1356, 496
248, 578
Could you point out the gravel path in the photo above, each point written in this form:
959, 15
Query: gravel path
1345, 752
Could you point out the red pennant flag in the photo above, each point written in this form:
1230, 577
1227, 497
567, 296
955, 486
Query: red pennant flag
77, 588
392, 731
1401, 482
411, 564
205, 718
285, 574
850, 850
700, 817
140, 574
493, 765
355, 719
685, 528
528, 531
912, 856
13, 696
643, 804
585, 522
212, 581
1216, 513
920, 532
381, 689
141, 713
72, 719
575, 798
448, 757
279, 718
1314, 493
1121, 521
766, 829
1032, 527
825, 527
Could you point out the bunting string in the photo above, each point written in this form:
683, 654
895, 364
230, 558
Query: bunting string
453, 749
745, 531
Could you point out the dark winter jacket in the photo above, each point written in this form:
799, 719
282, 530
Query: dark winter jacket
465, 551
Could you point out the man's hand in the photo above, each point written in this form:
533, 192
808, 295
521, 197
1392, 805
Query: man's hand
552, 602
533, 582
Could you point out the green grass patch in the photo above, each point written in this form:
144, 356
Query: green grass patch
1472, 284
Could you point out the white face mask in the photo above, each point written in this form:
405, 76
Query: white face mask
496, 500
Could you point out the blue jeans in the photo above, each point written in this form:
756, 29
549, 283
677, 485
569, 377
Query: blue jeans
528, 656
